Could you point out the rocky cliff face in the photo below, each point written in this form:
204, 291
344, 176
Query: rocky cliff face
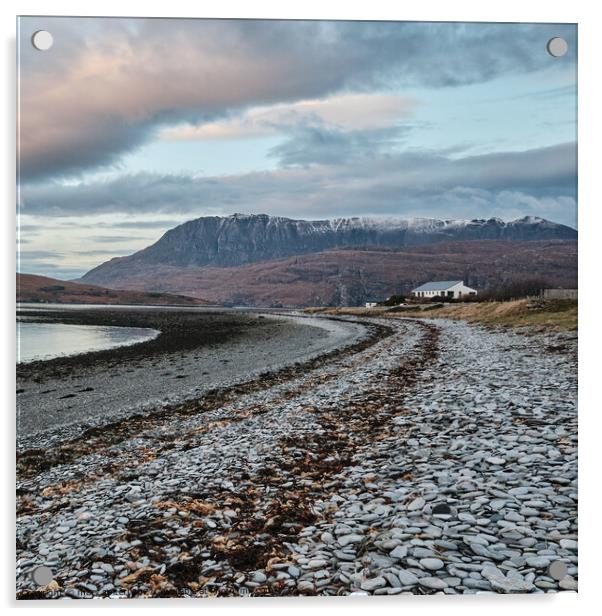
243, 239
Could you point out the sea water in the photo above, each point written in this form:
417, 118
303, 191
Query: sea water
36, 341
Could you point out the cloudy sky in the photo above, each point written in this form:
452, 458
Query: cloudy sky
129, 127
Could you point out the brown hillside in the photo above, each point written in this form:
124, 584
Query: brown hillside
32, 288
348, 277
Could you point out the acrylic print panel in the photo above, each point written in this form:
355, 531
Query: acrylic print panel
297, 308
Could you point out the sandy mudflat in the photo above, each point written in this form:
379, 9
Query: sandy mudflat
196, 352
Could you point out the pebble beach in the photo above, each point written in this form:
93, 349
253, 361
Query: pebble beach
412, 457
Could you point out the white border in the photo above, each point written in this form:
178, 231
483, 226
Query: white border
584, 12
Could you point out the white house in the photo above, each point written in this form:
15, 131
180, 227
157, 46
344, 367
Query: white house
445, 288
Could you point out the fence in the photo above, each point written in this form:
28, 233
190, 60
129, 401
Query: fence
558, 293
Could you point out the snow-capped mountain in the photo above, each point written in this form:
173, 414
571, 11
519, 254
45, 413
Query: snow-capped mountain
249, 238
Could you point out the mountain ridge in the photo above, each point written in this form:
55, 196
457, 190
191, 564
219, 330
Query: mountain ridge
242, 239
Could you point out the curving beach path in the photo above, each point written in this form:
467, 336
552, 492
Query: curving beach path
428, 457
56, 398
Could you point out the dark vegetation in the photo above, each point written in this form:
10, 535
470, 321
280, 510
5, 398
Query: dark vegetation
513, 289
394, 300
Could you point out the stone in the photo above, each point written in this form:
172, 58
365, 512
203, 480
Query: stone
327, 538
432, 564
407, 578
133, 496
441, 509
420, 552
344, 555
433, 583
345, 540
476, 584
496, 461
259, 577
490, 394
513, 516
537, 562
393, 580
568, 544
400, 552
467, 517
294, 571
505, 584
568, 583
480, 550
416, 504
373, 584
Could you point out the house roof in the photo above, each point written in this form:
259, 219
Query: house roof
439, 285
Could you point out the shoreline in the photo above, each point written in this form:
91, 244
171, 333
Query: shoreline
195, 353
326, 478
32, 336
526, 315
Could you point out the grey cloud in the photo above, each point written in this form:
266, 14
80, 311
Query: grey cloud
311, 144
93, 252
32, 255
113, 239
82, 146
109, 84
53, 271
545, 170
540, 181
140, 224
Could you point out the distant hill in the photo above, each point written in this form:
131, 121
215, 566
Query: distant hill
32, 288
350, 276
260, 260
242, 239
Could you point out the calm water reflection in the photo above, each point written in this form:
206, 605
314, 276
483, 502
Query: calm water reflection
48, 340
